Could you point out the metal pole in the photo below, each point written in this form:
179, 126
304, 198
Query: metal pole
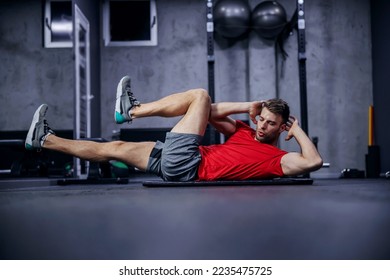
302, 64
210, 60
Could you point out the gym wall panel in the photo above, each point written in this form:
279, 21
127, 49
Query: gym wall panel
176, 64
30, 74
339, 83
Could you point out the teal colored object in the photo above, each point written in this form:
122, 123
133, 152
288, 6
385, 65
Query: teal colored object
119, 169
119, 118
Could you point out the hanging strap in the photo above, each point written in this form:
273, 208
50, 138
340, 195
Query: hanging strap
288, 28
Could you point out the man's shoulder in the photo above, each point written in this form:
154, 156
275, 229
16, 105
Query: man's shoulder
242, 125
243, 128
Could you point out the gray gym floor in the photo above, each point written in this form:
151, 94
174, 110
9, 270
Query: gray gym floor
331, 219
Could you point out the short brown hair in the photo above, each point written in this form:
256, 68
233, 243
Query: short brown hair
278, 106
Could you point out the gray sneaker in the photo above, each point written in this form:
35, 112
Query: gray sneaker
124, 101
39, 130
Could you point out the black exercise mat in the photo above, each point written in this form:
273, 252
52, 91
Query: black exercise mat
92, 181
268, 182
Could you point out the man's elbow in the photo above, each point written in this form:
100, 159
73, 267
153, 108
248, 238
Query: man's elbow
316, 163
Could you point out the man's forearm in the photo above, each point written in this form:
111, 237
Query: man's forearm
220, 112
308, 150
224, 109
308, 160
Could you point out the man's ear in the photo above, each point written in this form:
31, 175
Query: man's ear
282, 128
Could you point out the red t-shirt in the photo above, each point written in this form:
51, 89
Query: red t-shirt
241, 157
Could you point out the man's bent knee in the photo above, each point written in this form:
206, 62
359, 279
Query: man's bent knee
199, 93
202, 95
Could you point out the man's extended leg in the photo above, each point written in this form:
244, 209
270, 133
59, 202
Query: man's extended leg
41, 136
135, 154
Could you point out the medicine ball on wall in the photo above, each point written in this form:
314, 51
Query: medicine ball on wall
268, 19
232, 18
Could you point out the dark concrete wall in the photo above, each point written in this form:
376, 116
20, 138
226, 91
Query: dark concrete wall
381, 59
339, 70
29, 73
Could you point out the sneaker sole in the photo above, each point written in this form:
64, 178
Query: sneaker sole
119, 119
41, 111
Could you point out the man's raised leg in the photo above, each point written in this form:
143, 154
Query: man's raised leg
193, 104
178, 158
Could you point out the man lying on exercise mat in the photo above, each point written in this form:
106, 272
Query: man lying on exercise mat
247, 154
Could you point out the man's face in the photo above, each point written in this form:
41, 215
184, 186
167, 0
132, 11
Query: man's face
269, 126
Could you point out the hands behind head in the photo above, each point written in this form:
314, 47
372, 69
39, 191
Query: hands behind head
291, 124
255, 110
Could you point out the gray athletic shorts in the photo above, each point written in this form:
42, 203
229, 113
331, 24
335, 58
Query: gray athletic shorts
177, 159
